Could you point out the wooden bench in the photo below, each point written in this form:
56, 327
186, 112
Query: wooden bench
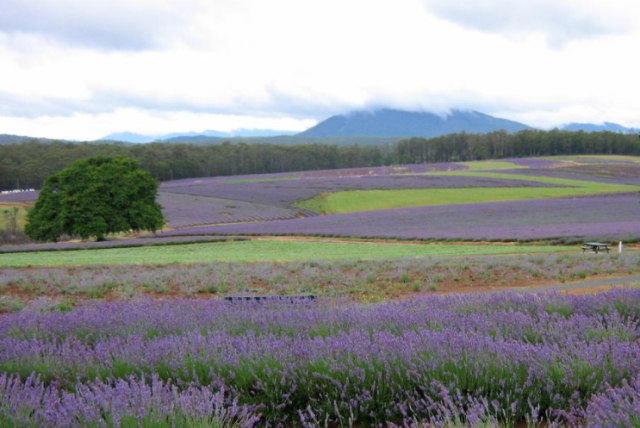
595, 247
290, 298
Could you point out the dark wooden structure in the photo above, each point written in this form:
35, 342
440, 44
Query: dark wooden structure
595, 247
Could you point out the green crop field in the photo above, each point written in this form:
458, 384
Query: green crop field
491, 165
255, 251
372, 200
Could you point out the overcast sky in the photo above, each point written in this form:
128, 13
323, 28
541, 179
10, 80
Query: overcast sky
82, 70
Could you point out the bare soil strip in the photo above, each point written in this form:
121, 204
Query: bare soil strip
594, 284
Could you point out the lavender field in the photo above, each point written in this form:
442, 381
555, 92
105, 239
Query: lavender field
273, 202
275, 196
356, 280
479, 361
183, 210
611, 216
19, 197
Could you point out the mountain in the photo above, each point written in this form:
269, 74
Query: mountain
399, 123
196, 137
200, 139
128, 137
17, 139
606, 126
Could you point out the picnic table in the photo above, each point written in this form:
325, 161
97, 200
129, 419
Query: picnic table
595, 247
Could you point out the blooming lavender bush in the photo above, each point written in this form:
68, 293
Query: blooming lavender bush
475, 358
120, 403
616, 407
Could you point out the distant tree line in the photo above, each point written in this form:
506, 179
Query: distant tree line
500, 145
27, 164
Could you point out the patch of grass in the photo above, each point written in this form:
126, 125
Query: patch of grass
6, 212
373, 200
490, 165
254, 251
9, 304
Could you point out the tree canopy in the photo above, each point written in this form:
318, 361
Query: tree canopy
95, 197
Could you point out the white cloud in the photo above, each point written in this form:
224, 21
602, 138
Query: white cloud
304, 61
559, 21
103, 24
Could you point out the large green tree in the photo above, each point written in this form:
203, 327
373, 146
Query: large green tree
95, 197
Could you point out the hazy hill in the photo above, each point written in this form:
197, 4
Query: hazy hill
196, 139
606, 126
398, 123
209, 136
17, 139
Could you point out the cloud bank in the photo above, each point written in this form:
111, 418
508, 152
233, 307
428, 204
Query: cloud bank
72, 70
560, 21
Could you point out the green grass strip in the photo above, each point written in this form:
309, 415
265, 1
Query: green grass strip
256, 251
373, 200
490, 165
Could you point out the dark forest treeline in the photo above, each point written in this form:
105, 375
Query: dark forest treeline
529, 143
26, 165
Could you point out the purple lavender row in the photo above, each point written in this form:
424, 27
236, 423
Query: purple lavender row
398, 361
20, 197
31, 403
329, 173
182, 210
119, 243
129, 402
621, 173
613, 215
383, 170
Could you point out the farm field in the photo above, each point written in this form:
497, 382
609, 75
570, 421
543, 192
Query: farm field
371, 280
608, 217
356, 201
538, 198
251, 251
416, 334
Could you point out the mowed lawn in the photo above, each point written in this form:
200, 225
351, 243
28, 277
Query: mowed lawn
255, 251
372, 200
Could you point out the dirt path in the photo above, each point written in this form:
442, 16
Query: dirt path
591, 285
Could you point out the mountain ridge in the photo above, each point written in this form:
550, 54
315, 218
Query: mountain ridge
594, 127
401, 123
177, 137
358, 127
